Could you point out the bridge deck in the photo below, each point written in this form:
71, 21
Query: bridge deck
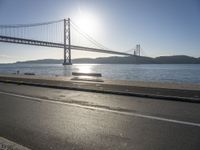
56, 45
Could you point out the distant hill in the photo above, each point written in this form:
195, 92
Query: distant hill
116, 60
178, 59
42, 61
181, 59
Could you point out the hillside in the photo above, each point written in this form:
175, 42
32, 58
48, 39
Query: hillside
179, 59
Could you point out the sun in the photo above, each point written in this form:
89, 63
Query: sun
87, 22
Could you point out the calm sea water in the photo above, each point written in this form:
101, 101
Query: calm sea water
184, 73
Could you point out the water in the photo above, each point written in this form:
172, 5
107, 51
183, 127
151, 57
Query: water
174, 73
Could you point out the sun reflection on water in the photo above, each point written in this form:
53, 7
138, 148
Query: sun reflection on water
85, 68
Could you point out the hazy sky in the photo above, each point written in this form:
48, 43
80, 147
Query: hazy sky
162, 27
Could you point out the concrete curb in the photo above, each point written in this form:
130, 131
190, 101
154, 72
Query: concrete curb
106, 91
6, 144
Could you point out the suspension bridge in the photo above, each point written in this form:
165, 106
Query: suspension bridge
46, 34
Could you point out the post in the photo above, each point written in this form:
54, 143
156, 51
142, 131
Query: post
67, 46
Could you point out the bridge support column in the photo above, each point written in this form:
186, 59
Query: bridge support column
67, 43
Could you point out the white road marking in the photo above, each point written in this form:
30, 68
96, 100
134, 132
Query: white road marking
104, 109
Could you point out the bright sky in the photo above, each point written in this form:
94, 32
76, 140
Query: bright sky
162, 27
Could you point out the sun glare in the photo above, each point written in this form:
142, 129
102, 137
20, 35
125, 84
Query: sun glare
87, 22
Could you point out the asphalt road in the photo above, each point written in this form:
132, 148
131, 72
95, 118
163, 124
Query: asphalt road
44, 118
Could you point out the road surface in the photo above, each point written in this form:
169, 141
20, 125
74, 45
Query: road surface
46, 118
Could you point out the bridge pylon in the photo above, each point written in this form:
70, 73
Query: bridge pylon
67, 42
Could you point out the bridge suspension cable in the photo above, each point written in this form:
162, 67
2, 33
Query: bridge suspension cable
30, 25
51, 31
136, 51
88, 37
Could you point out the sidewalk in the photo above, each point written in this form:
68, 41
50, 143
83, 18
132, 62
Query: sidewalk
170, 91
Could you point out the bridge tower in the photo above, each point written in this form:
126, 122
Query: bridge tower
67, 43
137, 50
